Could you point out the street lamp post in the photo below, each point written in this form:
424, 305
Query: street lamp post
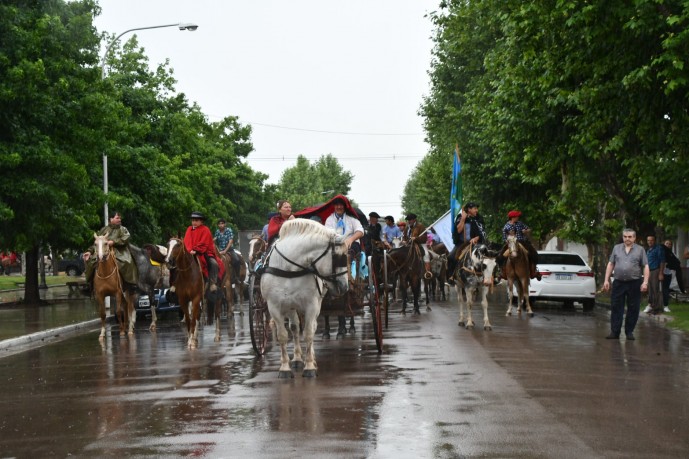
182, 26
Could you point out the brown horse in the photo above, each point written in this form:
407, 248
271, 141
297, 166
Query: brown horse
189, 286
407, 264
108, 282
257, 247
517, 269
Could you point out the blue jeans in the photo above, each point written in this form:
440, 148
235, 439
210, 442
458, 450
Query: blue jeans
629, 292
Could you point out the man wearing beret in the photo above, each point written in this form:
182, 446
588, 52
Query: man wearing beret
522, 232
416, 233
373, 232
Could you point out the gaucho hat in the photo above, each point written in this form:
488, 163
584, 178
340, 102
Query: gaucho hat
199, 215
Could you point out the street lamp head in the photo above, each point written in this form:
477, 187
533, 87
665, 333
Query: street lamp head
187, 26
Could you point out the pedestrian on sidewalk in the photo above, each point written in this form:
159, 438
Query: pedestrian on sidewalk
656, 265
630, 265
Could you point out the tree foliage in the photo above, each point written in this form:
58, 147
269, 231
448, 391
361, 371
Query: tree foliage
58, 117
573, 112
307, 184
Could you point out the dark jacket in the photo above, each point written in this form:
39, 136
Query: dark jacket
671, 261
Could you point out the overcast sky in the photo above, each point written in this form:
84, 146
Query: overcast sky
311, 77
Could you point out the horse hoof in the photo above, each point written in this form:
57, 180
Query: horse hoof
417, 312
340, 333
326, 335
152, 328
428, 309
461, 323
487, 328
297, 365
531, 314
285, 375
217, 339
351, 330
470, 327
309, 374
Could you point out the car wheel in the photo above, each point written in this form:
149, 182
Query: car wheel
72, 271
569, 304
589, 304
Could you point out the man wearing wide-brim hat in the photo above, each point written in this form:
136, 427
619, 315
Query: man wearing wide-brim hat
199, 241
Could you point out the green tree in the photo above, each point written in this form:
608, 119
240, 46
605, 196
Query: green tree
307, 184
51, 123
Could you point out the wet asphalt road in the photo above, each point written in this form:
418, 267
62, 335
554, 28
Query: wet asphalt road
547, 386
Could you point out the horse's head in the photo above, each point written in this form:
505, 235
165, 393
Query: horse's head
512, 244
396, 242
174, 247
488, 267
256, 248
102, 247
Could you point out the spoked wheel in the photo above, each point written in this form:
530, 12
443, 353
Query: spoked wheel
375, 306
386, 287
258, 316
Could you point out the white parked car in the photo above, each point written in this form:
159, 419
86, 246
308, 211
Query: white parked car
565, 276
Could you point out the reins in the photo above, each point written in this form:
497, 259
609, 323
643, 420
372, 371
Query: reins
305, 270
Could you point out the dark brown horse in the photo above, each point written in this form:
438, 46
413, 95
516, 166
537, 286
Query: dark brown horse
188, 285
108, 282
407, 264
517, 269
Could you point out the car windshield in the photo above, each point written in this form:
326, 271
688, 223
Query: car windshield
560, 259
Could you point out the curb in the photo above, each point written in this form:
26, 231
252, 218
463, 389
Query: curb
48, 336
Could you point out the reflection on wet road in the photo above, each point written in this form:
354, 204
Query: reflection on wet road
547, 386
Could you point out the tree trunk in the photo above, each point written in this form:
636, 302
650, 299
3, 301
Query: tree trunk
32, 295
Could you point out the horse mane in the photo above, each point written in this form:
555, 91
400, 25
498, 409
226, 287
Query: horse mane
303, 227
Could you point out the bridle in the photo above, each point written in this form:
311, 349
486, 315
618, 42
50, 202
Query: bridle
311, 269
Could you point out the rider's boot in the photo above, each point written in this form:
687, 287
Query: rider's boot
534, 273
212, 273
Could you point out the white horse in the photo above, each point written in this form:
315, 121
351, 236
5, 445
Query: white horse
474, 276
307, 261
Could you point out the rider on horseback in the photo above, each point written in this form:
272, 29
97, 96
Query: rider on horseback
470, 229
522, 232
118, 239
224, 238
198, 241
416, 233
390, 231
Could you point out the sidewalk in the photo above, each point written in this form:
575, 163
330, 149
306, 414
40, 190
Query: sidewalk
24, 327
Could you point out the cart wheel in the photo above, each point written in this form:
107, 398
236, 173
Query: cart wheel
386, 288
375, 307
258, 316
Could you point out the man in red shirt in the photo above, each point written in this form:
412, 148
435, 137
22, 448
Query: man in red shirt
198, 240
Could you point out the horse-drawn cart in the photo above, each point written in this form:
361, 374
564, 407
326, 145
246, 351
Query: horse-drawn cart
363, 293
363, 288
